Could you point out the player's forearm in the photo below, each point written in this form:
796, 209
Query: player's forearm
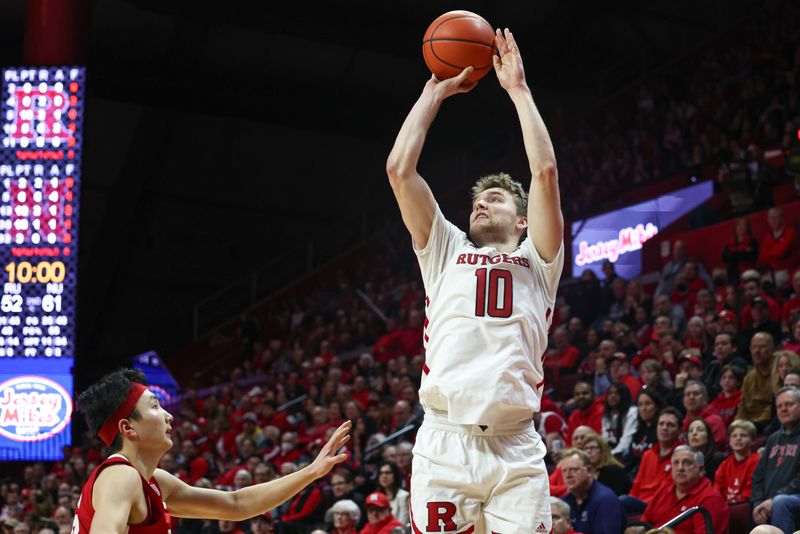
538, 146
257, 499
407, 147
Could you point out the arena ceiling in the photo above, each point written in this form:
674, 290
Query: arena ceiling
223, 136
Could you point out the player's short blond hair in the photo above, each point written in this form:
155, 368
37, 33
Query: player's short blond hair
506, 182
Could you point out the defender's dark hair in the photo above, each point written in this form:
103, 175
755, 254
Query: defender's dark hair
100, 400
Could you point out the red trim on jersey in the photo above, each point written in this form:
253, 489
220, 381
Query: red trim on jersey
540, 384
425, 368
109, 429
425, 324
427, 338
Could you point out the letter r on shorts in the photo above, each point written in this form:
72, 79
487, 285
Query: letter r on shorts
441, 511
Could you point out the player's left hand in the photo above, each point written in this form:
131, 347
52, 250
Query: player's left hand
508, 65
327, 457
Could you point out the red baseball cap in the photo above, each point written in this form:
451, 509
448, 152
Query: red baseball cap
686, 355
728, 316
377, 499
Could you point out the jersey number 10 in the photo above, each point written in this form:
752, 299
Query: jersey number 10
491, 295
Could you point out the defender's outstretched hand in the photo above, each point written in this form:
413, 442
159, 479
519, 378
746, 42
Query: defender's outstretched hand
446, 88
508, 66
327, 457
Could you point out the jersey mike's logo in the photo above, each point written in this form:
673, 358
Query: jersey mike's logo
33, 408
628, 240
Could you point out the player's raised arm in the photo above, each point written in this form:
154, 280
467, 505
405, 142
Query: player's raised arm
413, 195
545, 220
191, 502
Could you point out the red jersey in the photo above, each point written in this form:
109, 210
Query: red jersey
591, 417
665, 505
734, 479
726, 406
790, 307
157, 520
779, 252
655, 471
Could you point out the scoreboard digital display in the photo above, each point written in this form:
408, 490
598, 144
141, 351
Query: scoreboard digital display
41, 112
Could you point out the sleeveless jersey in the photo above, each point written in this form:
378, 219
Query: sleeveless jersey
157, 521
487, 315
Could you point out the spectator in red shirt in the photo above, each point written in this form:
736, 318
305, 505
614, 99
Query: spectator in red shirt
559, 510
695, 401
379, 515
588, 411
751, 287
791, 308
734, 477
654, 469
727, 402
688, 487
561, 357
779, 252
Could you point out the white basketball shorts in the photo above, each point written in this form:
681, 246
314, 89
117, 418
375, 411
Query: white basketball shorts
469, 479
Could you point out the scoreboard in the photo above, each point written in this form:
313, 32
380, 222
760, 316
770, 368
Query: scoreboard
41, 113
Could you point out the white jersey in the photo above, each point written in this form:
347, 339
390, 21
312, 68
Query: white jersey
486, 321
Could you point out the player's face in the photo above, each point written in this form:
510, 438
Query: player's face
154, 429
494, 217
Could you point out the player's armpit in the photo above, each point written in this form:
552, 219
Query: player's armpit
113, 496
545, 220
188, 501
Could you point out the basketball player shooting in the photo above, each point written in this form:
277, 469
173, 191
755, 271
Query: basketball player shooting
128, 493
478, 461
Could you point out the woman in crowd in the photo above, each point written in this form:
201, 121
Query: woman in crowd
619, 419
346, 515
696, 337
784, 361
649, 403
607, 469
652, 374
699, 437
389, 481
741, 252
793, 343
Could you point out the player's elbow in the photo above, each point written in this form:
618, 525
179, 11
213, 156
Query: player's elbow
546, 173
397, 170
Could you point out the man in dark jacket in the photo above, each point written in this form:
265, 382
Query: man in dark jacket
776, 481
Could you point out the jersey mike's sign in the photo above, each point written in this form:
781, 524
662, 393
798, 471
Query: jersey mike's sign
33, 408
618, 236
630, 239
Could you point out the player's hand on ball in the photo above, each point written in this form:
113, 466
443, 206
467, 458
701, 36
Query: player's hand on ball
452, 86
508, 65
328, 457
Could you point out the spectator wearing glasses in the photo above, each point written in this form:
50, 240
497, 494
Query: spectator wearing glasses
389, 482
379, 515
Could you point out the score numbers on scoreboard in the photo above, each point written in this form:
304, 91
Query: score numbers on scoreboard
40, 154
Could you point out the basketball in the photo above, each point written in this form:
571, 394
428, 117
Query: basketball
456, 40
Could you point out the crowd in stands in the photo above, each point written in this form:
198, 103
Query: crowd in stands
711, 114
656, 399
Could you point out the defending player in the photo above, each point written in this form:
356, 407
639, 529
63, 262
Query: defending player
478, 461
127, 493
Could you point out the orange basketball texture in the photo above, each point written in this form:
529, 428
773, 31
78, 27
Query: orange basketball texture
456, 40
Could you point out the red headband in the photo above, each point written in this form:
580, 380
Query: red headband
109, 429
